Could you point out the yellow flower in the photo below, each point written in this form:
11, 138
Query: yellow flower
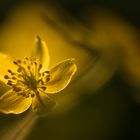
31, 82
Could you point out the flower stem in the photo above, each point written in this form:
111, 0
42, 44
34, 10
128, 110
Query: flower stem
20, 130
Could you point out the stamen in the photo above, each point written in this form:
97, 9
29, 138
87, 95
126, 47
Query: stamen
41, 81
35, 63
28, 67
9, 71
14, 78
26, 58
16, 89
19, 69
28, 79
23, 94
39, 74
47, 71
32, 95
24, 62
40, 66
6, 76
44, 88
37, 92
19, 76
15, 63
12, 73
47, 79
27, 95
19, 61
9, 83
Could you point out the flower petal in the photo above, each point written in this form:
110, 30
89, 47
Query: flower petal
3, 88
61, 75
6, 63
42, 104
10, 102
41, 53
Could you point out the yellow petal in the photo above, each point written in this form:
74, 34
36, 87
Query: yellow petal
61, 75
10, 102
6, 62
3, 88
42, 104
41, 53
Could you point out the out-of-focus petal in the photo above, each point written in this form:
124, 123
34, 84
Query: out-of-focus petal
6, 62
41, 53
61, 75
10, 102
42, 103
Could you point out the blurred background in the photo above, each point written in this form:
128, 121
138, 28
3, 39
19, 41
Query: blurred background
103, 100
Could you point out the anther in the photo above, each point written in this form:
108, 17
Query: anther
32, 95
18, 94
26, 58
24, 62
9, 83
23, 94
6, 76
15, 63
19, 61
44, 88
48, 76
9, 71
14, 78
40, 66
19, 69
41, 81
35, 63
27, 96
47, 71
47, 79
37, 92
16, 89
28, 67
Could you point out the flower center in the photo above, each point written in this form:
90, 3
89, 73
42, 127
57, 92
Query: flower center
28, 80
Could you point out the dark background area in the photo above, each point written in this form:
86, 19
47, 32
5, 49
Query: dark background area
127, 9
